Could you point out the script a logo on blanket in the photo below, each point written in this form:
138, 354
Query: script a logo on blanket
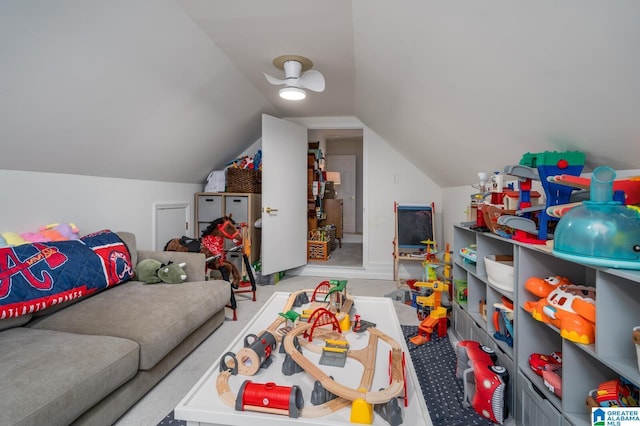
30, 268
114, 255
36, 276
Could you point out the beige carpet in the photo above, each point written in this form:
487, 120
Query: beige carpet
168, 393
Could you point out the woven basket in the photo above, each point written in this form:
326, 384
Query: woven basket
244, 180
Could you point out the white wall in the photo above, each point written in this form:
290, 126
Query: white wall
32, 199
382, 164
456, 203
350, 146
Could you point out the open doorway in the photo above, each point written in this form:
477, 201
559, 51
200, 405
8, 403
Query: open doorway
343, 154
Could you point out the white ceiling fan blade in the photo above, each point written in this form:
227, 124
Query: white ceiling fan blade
273, 80
312, 80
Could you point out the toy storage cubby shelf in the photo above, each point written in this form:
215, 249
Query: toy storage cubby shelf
584, 367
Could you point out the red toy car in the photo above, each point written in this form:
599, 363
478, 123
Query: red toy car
552, 378
490, 380
537, 362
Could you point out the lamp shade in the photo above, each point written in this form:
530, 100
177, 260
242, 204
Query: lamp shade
333, 177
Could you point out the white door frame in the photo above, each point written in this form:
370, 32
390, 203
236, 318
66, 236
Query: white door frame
157, 207
345, 123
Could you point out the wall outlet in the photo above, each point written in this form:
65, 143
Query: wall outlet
396, 178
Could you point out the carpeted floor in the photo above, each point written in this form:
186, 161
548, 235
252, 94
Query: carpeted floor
435, 365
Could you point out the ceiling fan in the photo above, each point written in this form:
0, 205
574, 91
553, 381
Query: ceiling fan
293, 65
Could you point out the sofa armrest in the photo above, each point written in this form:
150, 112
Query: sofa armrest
195, 262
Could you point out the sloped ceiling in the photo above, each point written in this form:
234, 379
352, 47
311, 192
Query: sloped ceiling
170, 89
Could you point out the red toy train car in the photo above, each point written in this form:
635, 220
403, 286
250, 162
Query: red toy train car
270, 398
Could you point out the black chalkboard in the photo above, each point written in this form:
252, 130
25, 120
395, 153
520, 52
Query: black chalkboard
415, 224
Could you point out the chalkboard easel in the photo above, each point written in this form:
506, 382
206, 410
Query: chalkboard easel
414, 229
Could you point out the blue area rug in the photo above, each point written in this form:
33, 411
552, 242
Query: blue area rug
435, 365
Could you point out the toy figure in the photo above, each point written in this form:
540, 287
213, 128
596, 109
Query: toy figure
211, 244
538, 362
635, 336
570, 308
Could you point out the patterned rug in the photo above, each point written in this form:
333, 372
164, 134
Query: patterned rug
435, 365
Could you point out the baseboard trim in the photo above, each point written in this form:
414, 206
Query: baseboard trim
373, 271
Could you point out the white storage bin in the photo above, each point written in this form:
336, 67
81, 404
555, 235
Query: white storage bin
499, 271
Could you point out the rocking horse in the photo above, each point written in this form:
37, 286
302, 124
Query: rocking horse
211, 244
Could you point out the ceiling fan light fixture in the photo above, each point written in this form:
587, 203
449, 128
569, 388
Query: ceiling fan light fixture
292, 94
298, 77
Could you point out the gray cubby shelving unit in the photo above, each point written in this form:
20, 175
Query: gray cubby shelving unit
584, 366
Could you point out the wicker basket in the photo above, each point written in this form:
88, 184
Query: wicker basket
244, 180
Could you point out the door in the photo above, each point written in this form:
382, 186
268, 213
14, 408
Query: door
284, 195
346, 165
171, 221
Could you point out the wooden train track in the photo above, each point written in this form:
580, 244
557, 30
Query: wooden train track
366, 356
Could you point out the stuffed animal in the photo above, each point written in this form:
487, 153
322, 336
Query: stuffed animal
60, 231
152, 271
13, 239
173, 273
34, 237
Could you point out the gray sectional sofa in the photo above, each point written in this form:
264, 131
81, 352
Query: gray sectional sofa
88, 362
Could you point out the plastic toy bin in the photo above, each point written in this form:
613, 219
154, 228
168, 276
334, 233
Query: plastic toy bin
500, 271
461, 291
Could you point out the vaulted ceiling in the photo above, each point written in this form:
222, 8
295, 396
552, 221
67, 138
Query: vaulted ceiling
170, 89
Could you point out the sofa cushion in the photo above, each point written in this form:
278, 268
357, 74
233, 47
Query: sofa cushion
129, 239
51, 378
14, 322
158, 317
